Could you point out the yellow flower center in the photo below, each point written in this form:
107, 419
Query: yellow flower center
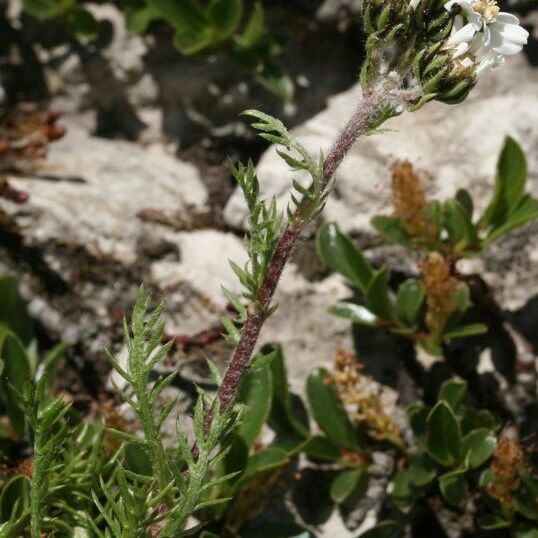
487, 8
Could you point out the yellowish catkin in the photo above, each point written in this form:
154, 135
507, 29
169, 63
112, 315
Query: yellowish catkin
410, 204
359, 392
507, 459
440, 287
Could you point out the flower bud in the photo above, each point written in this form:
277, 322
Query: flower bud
442, 77
384, 18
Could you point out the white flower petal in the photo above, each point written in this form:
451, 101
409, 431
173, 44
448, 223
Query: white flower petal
464, 35
507, 38
414, 3
488, 64
507, 18
460, 50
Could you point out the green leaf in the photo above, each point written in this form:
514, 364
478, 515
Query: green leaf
509, 184
385, 529
453, 392
255, 28
392, 229
321, 448
461, 231
186, 15
417, 415
81, 23
421, 471
493, 521
344, 484
265, 461
16, 373
329, 411
473, 419
454, 488
402, 494
525, 211
225, 16
273, 79
339, 254
377, 296
137, 20
284, 419
409, 301
474, 329
477, 447
466, 202
50, 362
16, 488
13, 311
42, 9
136, 460
256, 394
354, 312
443, 438
191, 42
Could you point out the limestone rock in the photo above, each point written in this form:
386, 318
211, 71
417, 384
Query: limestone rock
94, 221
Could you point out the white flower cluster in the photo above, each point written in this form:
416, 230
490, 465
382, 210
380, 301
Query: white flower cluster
482, 35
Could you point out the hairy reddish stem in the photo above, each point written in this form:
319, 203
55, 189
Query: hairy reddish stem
358, 125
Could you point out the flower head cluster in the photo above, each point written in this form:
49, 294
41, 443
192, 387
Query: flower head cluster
481, 35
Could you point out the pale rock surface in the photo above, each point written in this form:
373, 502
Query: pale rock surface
82, 238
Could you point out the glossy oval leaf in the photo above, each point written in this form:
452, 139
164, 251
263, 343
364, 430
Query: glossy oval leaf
321, 448
329, 412
339, 254
256, 394
344, 483
417, 415
225, 16
355, 313
526, 210
509, 184
409, 301
477, 447
461, 231
453, 392
443, 438
454, 488
284, 417
466, 331
466, 202
186, 15
378, 296
392, 229
264, 461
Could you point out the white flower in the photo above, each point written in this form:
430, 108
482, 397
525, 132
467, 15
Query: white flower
489, 63
414, 3
498, 31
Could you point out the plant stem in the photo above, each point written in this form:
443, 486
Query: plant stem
358, 125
